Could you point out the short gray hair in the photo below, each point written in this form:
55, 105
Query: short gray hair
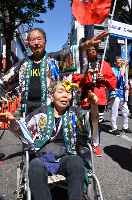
36, 29
54, 84
116, 58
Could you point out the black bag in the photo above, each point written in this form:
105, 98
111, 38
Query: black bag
58, 149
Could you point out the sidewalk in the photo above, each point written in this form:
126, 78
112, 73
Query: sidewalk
11, 146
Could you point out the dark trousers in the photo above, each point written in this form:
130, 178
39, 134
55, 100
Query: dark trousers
71, 166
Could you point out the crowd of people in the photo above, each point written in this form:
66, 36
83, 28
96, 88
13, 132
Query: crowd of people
52, 125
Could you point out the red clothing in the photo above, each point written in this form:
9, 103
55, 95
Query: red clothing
99, 88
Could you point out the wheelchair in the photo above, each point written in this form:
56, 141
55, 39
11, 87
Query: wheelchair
85, 151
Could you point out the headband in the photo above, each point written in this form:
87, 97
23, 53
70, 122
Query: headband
67, 85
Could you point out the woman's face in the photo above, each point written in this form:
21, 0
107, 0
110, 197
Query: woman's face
61, 98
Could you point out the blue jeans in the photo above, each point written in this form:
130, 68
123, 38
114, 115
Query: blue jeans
71, 166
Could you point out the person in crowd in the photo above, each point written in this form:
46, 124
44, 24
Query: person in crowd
34, 74
130, 97
97, 82
117, 100
51, 132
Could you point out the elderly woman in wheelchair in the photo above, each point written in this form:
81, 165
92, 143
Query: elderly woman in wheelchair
51, 134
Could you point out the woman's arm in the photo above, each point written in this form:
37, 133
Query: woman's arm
93, 101
94, 41
11, 121
123, 68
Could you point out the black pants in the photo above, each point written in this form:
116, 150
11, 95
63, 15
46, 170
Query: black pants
71, 166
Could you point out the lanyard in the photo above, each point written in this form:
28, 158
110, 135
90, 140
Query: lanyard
54, 128
49, 129
57, 122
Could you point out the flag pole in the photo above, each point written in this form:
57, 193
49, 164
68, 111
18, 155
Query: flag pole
126, 71
109, 27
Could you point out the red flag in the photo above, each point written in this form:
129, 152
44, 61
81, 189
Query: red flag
89, 12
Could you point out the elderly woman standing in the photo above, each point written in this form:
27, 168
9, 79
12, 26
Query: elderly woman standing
51, 132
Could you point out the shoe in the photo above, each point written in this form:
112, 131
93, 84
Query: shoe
130, 116
116, 133
126, 130
96, 151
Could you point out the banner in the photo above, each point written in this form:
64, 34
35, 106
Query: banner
121, 29
123, 52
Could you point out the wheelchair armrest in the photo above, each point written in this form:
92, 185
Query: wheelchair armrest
86, 154
25, 149
83, 141
84, 146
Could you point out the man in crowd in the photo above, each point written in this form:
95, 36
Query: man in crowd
34, 74
117, 100
53, 127
96, 81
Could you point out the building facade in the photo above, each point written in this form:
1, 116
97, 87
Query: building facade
87, 32
95, 29
116, 43
18, 47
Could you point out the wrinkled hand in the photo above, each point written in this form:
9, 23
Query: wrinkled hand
92, 99
96, 39
91, 71
126, 63
127, 87
8, 119
100, 77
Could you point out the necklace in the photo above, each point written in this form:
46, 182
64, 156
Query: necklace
54, 128
94, 75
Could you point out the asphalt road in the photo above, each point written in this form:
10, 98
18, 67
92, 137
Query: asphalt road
113, 169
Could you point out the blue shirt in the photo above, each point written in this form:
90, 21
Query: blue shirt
120, 89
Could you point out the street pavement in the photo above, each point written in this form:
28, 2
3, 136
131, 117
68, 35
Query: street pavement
113, 169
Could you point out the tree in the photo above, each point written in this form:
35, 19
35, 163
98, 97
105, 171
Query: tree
123, 10
24, 11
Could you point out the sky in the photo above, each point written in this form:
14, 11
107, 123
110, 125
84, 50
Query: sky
56, 25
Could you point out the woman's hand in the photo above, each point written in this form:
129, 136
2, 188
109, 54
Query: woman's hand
92, 99
91, 71
127, 87
96, 40
10, 120
125, 63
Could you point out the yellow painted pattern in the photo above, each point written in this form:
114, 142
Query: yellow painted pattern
42, 123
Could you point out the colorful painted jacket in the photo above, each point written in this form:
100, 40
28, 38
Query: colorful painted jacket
120, 86
34, 126
33, 129
58, 62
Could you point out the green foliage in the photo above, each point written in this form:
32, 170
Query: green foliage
123, 11
17, 12
25, 11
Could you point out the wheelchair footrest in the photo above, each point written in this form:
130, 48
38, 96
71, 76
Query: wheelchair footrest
56, 178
